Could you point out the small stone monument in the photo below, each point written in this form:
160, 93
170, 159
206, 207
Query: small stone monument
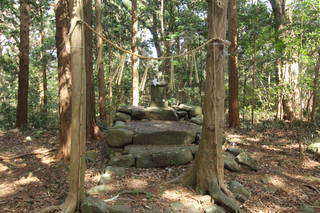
158, 91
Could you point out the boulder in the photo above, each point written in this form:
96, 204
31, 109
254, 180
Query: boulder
234, 151
191, 207
182, 114
120, 116
314, 148
307, 209
195, 111
125, 109
163, 137
197, 120
110, 151
184, 107
119, 124
115, 170
161, 113
91, 156
99, 189
93, 205
239, 191
122, 161
230, 163
163, 159
245, 159
214, 209
119, 137
119, 209
138, 113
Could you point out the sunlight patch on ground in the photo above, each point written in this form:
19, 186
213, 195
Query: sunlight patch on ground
3, 168
137, 183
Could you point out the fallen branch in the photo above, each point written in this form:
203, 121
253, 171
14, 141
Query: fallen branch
2, 158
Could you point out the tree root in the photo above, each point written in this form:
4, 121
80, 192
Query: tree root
221, 198
135, 192
26, 154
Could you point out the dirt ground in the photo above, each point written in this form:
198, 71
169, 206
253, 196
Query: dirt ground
31, 178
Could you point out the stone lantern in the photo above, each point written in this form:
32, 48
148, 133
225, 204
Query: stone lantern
158, 92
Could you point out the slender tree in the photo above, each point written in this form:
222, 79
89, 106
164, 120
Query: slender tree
64, 74
315, 89
135, 59
100, 68
207, 175
22, 108
234, 121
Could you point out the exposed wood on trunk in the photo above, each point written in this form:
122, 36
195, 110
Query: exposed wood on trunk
234, 121
22, 108
135, 59
64, 75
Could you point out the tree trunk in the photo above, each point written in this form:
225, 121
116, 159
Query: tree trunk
207, 175
64, 75
315, 89
102, 86
135, 59
22, 108
78, 134
234, 121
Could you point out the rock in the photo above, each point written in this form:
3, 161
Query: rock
245, 159
163, 137
239, 191
182, 114
105, 178
122, 161
115, 171
195, 111
99, 189
119, 124
230, 163
120, 116
125, 109
191, 207
197, 120
93, 205
138, 113
161, 113
314, 148
163, 159
119, 209
214, 209
234, 151
184, 107
119, 137
110, 151
91, 156
306, 209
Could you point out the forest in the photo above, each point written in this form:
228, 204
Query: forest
162, 106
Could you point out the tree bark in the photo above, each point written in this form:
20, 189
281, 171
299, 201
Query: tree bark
135, 59
315, 89
100, 66
207, 175
234, 121
78, 133
64, 75
22, 108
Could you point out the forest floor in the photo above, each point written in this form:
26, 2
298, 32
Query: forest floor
31, 178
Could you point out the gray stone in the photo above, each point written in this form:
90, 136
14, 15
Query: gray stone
119, 209
99, 189
234, 151
119, 124
118, 137
163, 137
122, 161
184, 107
105, 178
115, 170
239, 191
161, 113
314, 148
230, 163
163, 159
93, 205
158, 94
214, 209
138, 113
182, 114
120, 116
125, 109
245, 159
191, 207
197, 120
195, 111
111, 151
306, 209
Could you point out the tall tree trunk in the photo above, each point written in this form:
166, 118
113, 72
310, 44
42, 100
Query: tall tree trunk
102, 86
207, 175
77, 160
135, 59
43, 71
22, 108
64, 75
315, 89
93, 131
234, 121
